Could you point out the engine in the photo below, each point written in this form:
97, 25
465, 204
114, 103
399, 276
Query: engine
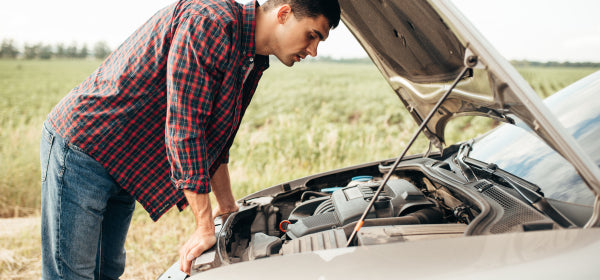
309, 220
346, 205
422, 200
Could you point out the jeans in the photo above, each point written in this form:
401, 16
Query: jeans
85, 214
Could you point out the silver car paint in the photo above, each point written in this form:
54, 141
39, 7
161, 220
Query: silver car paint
557, 254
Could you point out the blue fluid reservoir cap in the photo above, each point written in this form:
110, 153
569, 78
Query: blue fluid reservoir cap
364, 178
330, 190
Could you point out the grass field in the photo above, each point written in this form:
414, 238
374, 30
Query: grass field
310, 118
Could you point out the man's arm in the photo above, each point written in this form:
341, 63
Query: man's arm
197, 57
204, 236
221, 187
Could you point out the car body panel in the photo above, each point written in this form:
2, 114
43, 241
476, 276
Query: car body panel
536, 255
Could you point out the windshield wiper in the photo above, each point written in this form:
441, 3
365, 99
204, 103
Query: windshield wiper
528, 191
531, 194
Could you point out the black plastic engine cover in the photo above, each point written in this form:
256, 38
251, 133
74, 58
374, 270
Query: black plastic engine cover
347, 205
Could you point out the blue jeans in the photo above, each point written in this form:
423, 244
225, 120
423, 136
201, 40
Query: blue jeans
85, 214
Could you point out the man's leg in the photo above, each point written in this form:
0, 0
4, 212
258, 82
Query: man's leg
75, 193
111, 251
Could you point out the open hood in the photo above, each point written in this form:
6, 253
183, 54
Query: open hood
422, 46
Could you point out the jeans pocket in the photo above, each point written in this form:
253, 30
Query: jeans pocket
46, 142
76, 149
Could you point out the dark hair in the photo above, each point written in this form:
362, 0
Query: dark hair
330, 9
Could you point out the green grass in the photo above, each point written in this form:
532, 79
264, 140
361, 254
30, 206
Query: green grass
310, 118
315, 117
548, 80
28, 91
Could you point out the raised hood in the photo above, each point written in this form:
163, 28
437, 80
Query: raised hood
422, 46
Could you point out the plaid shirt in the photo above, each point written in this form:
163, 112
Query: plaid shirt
163, 109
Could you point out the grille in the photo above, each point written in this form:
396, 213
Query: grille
515, 213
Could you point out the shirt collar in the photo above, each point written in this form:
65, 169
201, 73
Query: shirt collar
249, 13
249, 28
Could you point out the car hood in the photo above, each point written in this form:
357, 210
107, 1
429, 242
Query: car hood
540, 254
421, 47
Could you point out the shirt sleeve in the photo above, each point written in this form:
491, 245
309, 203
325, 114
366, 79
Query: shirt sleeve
197, 58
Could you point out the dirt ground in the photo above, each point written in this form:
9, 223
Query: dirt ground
20, 257
13, 226
150, 249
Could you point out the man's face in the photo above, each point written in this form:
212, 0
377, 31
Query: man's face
297, 39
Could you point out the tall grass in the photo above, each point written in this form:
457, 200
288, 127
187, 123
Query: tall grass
548, 80
28, 91
310, 118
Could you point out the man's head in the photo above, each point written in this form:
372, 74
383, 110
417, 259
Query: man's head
296, 27
330, 9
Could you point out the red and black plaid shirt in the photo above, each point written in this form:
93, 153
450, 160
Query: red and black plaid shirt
163, 109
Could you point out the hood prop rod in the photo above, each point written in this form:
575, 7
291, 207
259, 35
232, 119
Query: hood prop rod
361, 221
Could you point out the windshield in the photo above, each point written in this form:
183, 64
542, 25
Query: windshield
522, 153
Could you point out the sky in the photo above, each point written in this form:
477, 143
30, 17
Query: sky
540, 30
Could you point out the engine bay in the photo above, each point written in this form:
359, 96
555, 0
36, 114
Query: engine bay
424, 199
305, 221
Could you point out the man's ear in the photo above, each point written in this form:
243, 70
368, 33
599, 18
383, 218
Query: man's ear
283, 13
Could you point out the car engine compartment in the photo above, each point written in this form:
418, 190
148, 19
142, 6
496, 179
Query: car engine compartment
424, 199
324, 219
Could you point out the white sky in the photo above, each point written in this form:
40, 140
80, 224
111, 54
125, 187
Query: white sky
539, 30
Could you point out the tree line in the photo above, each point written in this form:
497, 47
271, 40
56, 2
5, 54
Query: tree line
526, 63
8, 49
515, 63
101, 50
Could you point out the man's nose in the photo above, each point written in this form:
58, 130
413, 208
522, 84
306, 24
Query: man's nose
312, 48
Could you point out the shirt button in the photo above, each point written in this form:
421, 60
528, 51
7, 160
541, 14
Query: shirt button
251, 59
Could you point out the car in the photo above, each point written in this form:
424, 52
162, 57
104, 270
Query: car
521, 201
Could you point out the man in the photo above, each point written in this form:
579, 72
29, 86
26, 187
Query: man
154, 123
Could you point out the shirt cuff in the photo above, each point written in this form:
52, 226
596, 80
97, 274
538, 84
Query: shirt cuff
197, 184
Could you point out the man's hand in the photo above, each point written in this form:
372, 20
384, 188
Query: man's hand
204, 236
200, 241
